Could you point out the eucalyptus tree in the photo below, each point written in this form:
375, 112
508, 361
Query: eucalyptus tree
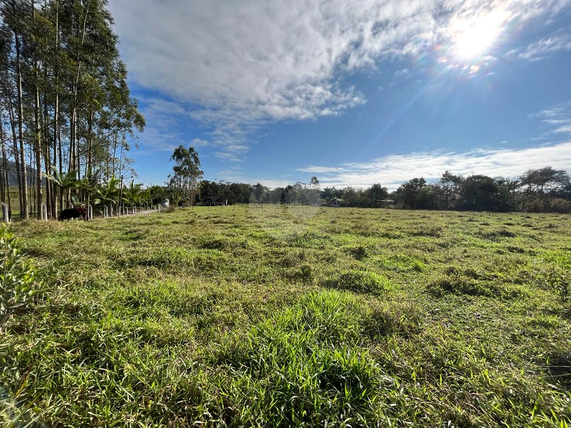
187, 173
64, 96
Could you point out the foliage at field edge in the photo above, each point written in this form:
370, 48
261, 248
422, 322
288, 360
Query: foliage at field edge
293, 316
540, 190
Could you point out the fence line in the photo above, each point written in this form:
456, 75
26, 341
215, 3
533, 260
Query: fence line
107, 212
123, 211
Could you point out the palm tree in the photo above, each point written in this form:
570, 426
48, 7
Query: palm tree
86, 189
63, 181
108, 193
132, 194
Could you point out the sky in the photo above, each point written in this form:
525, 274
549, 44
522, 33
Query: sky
354, 92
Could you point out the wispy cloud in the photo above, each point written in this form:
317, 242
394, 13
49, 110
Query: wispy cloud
200, 142
229, 156
236, 66
544, 48
391, 171
237, 175
313, 169
557, 117
565, 129
233, 152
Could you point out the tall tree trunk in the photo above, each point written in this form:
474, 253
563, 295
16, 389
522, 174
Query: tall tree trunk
38, 128
114, 156
4, 172
46, 152
23, 172
38, 148
60, 166
31, 187
73, 141
71, 160
12, 117
89, 144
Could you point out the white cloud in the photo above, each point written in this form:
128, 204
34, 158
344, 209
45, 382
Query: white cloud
229, 156
401, 73
558, 116
566, 129
321, 169
237, 176
391, 171
237, 65
199, 142
544, 48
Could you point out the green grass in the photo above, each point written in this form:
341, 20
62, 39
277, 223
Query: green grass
238, 316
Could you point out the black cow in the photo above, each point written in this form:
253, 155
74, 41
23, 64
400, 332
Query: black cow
70, 213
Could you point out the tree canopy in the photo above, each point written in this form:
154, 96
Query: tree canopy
184, 181
64, 99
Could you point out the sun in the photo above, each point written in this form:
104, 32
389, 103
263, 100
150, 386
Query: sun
474, 38
475, 42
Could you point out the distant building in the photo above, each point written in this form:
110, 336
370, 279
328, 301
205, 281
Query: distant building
335, 203
388, 203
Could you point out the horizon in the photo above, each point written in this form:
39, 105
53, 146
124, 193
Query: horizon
353, 94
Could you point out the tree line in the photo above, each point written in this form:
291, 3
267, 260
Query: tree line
66, 112
540, 190
242, 193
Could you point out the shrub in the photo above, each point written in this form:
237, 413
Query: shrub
559, 205
535, 206
17, 276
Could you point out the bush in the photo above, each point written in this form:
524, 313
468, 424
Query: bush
535, 206
17, 276
559, 205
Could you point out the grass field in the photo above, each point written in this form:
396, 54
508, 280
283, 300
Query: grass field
248, 316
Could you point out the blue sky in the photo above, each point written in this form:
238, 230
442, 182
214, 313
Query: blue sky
355, 93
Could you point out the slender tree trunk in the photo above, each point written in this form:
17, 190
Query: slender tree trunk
46, 152
24, 206
56, 134
60, 167
38, 131
4, 184
89, 145
114, 156
19, 178
121, 160
31, 187
71, 159
74, 150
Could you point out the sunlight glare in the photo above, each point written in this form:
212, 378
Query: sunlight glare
475, 38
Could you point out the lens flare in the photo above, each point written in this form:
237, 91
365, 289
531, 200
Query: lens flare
475, 37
